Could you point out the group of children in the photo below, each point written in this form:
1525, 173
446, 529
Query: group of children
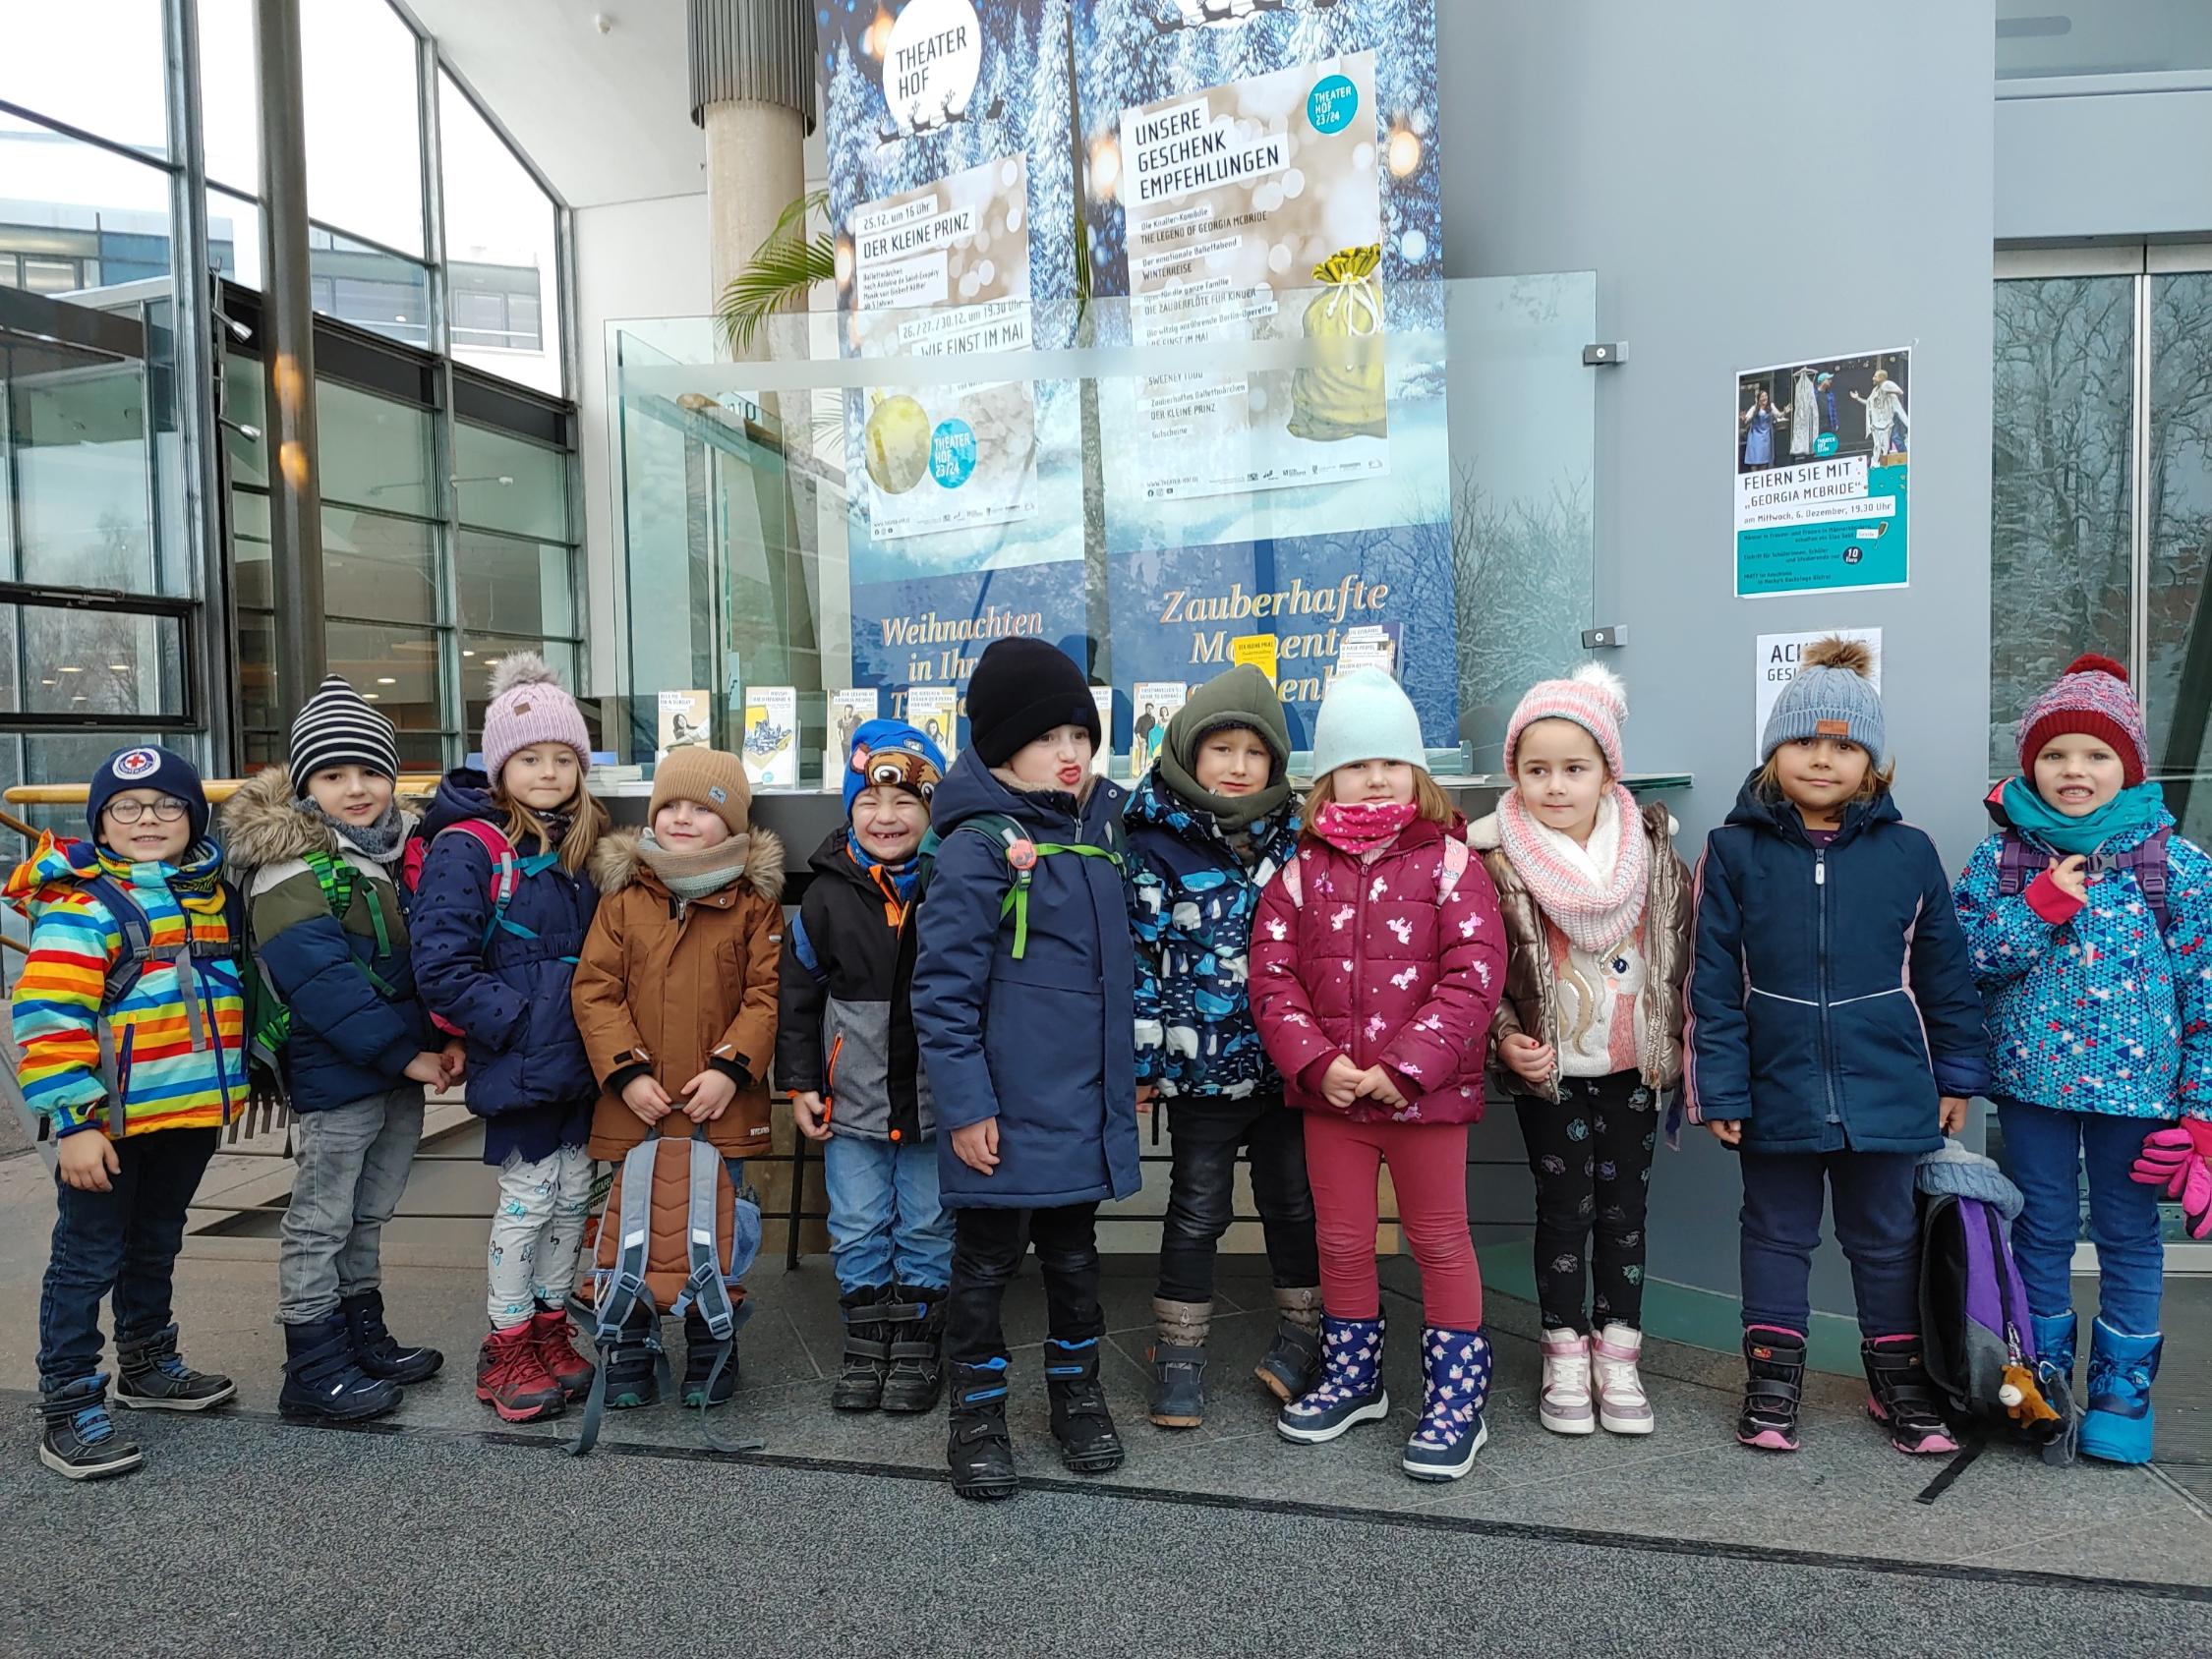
996, 964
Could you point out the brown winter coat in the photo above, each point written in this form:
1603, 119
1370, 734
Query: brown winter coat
1531, 1002
671, 988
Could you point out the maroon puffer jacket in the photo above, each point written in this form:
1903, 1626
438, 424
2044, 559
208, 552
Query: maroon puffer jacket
1364, 961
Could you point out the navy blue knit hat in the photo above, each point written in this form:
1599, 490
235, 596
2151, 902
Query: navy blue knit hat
147, 766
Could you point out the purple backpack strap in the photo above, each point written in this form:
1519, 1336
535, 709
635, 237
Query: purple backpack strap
2146, 862
1985, 1300
2017, 864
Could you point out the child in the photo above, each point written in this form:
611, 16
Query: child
1596, 909
1834, 1034
499, 918
675, 998
1208, 827
135, 1058
1376, 963
846, 1049
1023, 1014
314, 847
2100, 1027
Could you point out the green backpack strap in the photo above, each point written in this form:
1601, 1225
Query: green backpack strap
1022, 855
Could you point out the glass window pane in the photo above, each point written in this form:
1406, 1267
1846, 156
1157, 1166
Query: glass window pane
508, 484
379, 567
375, 453
249, 548
230, 125
369, 288
81, 479
500, 239
234, 238
394, 667
96, 67
2061, 512
364, 136
2178, 677
514, 587
77, 215
257, 668
93, 662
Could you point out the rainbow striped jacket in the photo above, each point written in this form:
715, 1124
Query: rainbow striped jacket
172, 1049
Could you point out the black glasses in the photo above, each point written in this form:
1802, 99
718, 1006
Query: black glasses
167, 810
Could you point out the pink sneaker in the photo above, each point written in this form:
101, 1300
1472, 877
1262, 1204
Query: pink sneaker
1564, 1406
1622, 1405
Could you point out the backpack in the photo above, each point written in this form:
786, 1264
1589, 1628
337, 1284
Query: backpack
1457, 855
1022, 855
508, 867
2019, 861
139, 953
675, 1236
1977, 1334
269, 1019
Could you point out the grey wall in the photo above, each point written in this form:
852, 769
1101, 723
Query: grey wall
1587, 134
2110, 164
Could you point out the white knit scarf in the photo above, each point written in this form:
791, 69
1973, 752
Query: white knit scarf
1595, 893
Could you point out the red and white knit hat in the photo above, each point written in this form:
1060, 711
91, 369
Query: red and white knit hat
526, 707
1593, 698
2092, 697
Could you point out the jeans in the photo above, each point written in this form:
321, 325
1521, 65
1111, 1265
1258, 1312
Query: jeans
886, 1224
1429, 1170
1203, 1137
537, 1233
2045, 1152
1877, 1221
352, 1166
988, 1245
1592, 1159
122, 1240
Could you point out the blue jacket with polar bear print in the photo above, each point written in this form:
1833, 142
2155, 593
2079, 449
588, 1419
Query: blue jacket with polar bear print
1191, 903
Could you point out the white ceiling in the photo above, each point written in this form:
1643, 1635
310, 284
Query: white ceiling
605, 117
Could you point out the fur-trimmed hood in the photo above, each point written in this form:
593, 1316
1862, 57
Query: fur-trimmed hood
756, 858
262, 824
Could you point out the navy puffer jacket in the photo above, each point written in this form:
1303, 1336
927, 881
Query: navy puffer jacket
508, 993
1045, 1044
1831, 998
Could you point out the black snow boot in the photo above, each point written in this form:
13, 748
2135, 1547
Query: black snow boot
382, 1354
699, 1347
151, 1377
1080, 1422
917, 1348
978, 1449
633, 1364
1773, 1362
1292, 1364
868, 1350
323, 1380
81, 1441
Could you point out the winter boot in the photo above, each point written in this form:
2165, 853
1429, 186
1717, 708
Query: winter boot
1292, 1364
1564, 1403
868, 1350
324, 1380
81, 1441
1622, 1405
1774, 1384
1350, 1388
2117, 1424
979, 1449
512, 1376
2054, 1346
380, 1352
1080, 1422
633, 1369
1457, 1368
557, 1352
1179, 1363
699, 1346
1900, 1398
152, 1378
917, 1348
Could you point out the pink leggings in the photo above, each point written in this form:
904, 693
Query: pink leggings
1428, 1168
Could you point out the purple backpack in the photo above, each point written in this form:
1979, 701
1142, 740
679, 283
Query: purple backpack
2020, 862
1974, 1317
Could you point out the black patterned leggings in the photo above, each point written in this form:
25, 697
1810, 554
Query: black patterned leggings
1592, 1159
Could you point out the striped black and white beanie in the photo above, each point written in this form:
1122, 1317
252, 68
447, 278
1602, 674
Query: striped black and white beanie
338, 728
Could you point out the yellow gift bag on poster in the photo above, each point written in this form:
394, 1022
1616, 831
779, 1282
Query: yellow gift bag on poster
1346, 398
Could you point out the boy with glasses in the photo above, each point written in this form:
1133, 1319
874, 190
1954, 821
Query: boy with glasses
129, 1016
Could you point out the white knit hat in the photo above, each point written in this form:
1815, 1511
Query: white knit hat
1366, 715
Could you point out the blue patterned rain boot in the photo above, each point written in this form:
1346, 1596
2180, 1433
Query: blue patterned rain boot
1456, 1364
2117, 1426
1350, 1388
2054, 1344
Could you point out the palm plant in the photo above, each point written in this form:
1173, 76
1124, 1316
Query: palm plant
784, 268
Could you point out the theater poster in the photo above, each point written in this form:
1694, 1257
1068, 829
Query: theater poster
1821, 457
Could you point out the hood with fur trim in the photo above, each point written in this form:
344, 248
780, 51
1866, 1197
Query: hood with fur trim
756, 858
262, 824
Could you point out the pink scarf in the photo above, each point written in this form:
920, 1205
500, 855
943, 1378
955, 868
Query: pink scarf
1593, 905
1360, 827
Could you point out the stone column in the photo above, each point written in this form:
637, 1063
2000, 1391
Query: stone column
752, 92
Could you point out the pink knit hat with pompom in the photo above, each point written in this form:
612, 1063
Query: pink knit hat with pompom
528, 707
1593, 698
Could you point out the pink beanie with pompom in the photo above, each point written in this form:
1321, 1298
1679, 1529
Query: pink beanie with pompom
1593, 698
529, 708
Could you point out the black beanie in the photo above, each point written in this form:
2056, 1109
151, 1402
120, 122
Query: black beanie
1022, 689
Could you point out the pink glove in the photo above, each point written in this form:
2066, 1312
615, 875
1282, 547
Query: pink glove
2179, 1159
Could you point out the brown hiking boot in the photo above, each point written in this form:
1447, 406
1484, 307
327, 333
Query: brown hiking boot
512, 1376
